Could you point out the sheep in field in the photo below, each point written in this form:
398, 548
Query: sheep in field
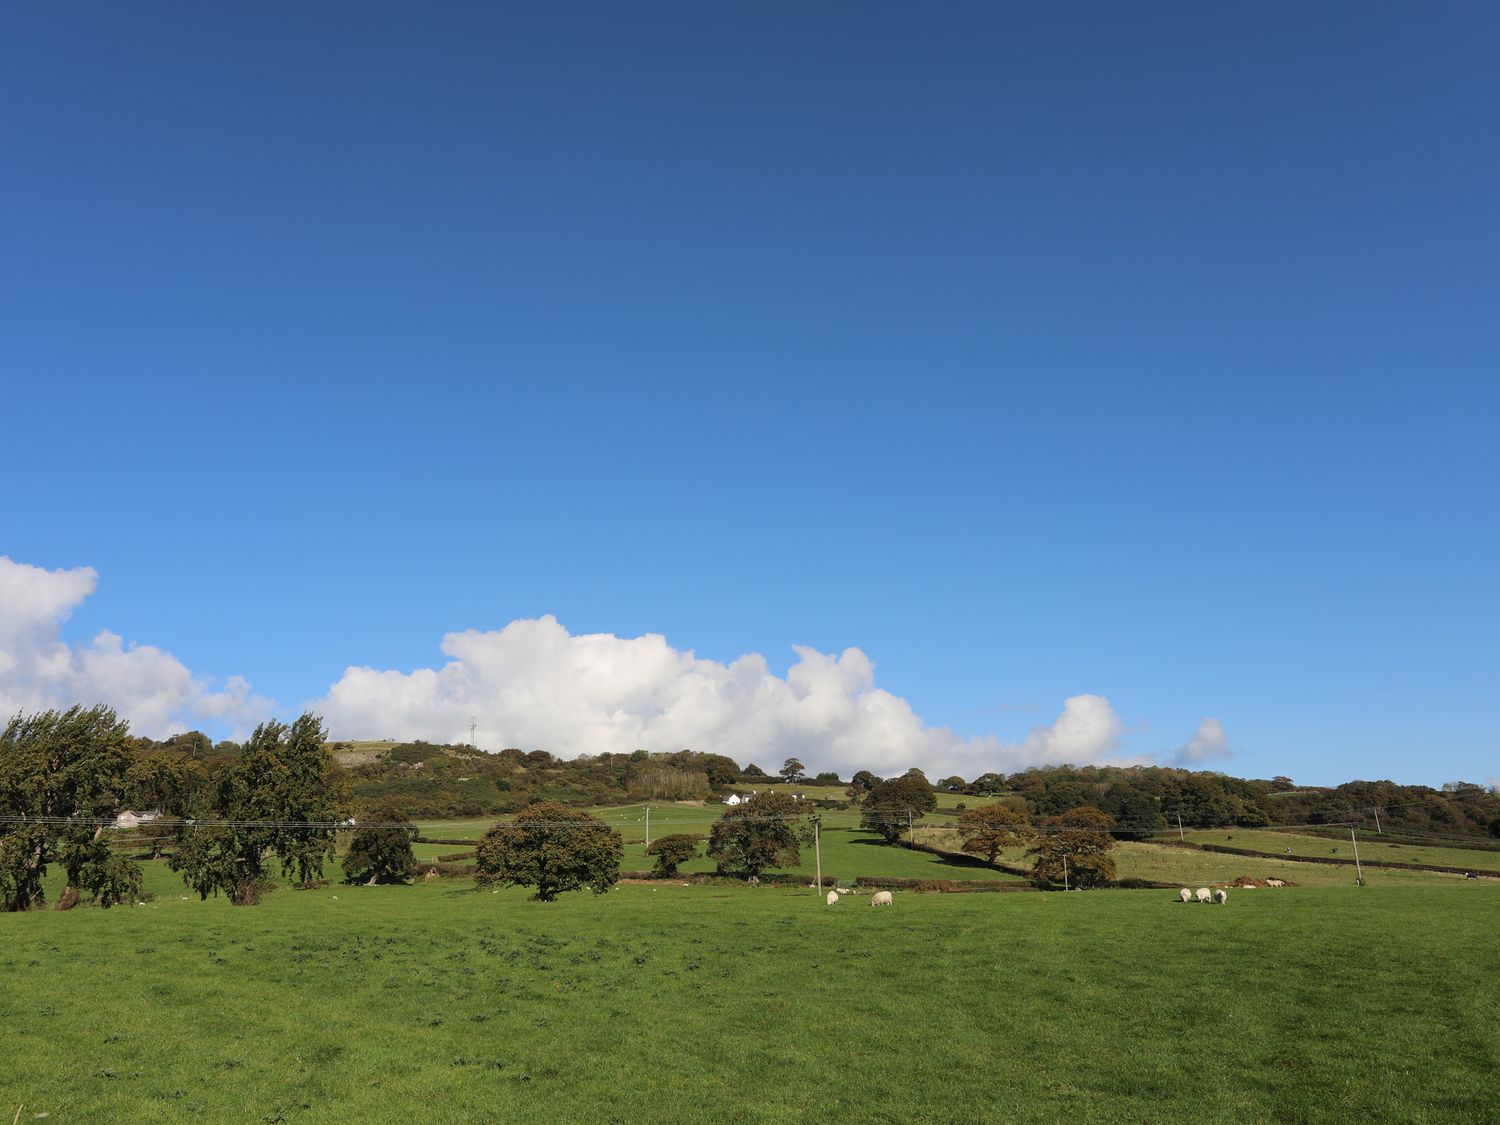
1185, 895
1203, 894
833, 897
1221, 896
1275, 883
881, 898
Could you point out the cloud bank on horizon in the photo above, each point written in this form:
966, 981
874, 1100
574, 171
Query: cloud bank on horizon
534, 685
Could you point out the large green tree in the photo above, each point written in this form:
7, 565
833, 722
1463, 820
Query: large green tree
552, 847
278, 798
890, 807
990, 829
56, 765
672, 850
761, 833
1073, 848
381, 850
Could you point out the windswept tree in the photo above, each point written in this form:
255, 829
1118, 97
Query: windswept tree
990, 829
672, 850
381, 850
553, 848
278, 798
761, 833
61, 764
792, 771
1074, 847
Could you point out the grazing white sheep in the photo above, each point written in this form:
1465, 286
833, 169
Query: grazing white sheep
1275, 882
833, 897
881, 898
1221, 896
1185, 895
1203, 894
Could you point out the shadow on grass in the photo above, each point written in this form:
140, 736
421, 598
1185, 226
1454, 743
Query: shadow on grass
955, 862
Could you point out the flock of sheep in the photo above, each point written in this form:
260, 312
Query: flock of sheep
1221, 896
879, 898
1203, 894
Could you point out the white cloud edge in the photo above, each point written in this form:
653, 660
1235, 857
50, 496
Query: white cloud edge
147, 685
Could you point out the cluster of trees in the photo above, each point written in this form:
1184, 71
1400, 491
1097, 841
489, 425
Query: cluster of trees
229, 812
424, 779
427, 779
1070, 849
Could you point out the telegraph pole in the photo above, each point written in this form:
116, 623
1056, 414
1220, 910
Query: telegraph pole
818, 852
911, 832
1065, 870
648, 826
1377, 822
1359, 875
1180, 835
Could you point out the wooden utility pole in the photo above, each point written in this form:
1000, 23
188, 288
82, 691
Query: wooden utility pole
1180, 835
911, 832
648, 826
1065, 870
818, 854
1359, 875
1377, 821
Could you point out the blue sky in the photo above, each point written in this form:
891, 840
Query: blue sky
1144, 355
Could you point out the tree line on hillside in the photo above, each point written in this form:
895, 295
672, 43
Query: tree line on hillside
64, 774
427, 779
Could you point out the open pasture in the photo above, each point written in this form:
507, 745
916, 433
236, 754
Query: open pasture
1190, 867
1373, 849
848, 855
436, 1002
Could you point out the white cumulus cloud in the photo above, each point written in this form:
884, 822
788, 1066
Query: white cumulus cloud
151, 688
1208, 744
534, 685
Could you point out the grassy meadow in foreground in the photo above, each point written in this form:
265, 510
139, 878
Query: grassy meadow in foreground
438, 1003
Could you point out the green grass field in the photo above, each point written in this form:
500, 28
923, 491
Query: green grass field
847, 855
1372, 848
1193, 868
438, 1003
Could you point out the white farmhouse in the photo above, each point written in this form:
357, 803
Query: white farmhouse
132, 819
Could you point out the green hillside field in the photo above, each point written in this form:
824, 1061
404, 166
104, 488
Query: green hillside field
665, 1003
